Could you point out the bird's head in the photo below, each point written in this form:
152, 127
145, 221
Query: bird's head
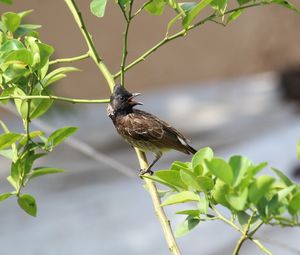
122, 100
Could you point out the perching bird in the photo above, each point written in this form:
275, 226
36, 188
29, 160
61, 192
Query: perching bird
143, 130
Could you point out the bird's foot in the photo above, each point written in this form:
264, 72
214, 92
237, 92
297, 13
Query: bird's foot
145, 171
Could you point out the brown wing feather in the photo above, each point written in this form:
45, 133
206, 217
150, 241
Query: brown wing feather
144, 126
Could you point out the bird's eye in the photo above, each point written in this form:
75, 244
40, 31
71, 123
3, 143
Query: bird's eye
122, 98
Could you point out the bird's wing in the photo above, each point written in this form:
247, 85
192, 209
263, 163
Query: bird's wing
145, 126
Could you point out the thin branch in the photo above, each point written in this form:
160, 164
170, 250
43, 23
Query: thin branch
183, 33
92, 50
69, 60
246, 236
64, 99
165, 223
140, 9
125, 40
244, 233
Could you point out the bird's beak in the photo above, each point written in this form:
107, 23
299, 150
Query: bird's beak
133, 102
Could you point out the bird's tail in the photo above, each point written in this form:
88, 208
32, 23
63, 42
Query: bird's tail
191, 150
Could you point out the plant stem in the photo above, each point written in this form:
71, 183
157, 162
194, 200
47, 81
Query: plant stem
165, 223
92, 50
69, 60
183, 33
245, 236
64, 99
244, 233
125, 40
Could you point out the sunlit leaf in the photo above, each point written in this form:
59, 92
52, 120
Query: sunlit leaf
28, 204
186, 226
98, 7
181, 197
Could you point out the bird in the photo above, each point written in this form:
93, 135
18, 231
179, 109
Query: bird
143, 130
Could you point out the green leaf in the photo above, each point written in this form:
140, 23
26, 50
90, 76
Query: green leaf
155, 7
200, 156
123, 3
38, 107
294, 206
8, 139
60, 135
253, 170
187, 6
44, 171
11, 45
238, 201
178, 165
172, 177
98, 7
194, 213
219, 5
45, 52
181, 197
158, 180
286, 4
221, 169
28, 204
260, 187
234, 15
57, 74
6, 1
205, 183
186, 226
11, 21
7, 154
203, 205
22, 56
239, 166
25, 29
194, 13
219, 191
24, 13
282, 177
5, 196
190, 179
241, 2
12, 182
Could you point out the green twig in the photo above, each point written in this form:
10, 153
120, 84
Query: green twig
128, 19
183, 33
69, 60
245, 234
92, 50
140, 9
64, 99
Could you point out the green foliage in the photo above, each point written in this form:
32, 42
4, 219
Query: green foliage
24, 62
98, 7
235, 184
28, 204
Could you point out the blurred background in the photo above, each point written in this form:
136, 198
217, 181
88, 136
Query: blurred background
235, 89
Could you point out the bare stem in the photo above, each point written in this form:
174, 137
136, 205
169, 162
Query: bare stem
64, 99
92, 50
245, 234
182, 33
125, 40
165, 223
69, 60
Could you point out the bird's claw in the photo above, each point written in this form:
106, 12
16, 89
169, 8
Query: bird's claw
145, 171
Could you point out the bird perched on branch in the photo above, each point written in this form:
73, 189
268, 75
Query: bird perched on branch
143, 130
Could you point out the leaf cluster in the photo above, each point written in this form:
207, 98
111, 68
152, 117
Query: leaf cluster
24, 64
236, 184
24, 151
